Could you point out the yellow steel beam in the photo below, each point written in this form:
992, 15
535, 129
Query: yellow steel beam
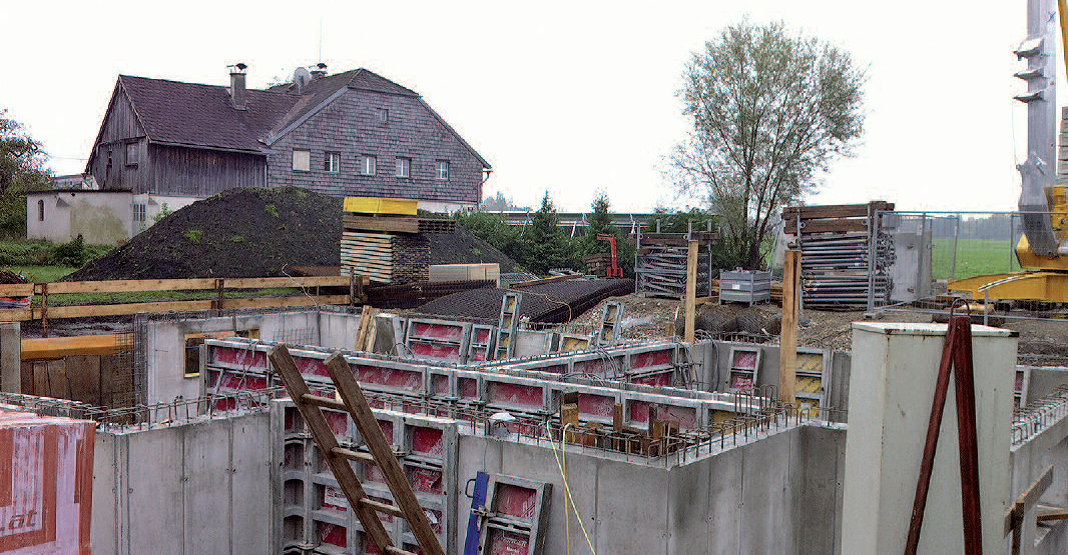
1038, 286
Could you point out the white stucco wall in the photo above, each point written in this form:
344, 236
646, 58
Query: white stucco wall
100, 217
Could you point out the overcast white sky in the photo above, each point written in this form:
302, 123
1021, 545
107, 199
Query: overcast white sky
565, 96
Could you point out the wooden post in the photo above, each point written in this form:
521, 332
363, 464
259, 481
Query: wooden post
44, 310
691, 290
791, 294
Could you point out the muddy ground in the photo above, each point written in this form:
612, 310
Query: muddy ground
1042, 342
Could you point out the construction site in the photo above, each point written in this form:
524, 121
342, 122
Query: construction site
272, 370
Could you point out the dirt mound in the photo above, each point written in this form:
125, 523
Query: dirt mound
237, 233
256, 233
464, 247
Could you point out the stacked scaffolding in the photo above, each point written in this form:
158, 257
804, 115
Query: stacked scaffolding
846, 256
660, 263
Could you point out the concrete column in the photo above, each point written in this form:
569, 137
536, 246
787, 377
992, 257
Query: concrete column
891, 390
10, 357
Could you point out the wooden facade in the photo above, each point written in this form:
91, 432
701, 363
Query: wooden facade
200, 172
107, 162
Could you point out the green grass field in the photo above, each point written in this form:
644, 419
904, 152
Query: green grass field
975, 257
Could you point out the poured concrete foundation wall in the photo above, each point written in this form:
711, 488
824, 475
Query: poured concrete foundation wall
166, 378
780, 494
184, 490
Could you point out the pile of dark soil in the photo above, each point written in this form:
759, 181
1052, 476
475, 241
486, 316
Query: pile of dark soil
237, 233
464, 247
256, 233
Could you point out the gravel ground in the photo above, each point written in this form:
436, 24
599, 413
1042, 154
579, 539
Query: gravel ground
1041, 341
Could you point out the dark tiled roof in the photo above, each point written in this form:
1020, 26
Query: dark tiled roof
201, 115
319, 90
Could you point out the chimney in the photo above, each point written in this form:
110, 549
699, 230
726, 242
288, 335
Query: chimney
237, 85
319, 71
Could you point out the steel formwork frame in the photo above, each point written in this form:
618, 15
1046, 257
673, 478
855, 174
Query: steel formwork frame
236, 364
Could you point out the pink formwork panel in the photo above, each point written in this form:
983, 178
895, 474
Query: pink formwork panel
438, 331
504, 542
435, 351
638, 412
601, 367
651, 358
427, 441
662, 379
507, 394
393, 378
596, 407
517, 501
46, 484
242, 358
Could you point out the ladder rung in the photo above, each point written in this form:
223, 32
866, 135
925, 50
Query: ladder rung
391, 550
354, 455
324, 402
383, 508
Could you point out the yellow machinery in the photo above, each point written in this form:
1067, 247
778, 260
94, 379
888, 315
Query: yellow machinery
1043, 249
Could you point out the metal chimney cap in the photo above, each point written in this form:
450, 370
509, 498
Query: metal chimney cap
239, 67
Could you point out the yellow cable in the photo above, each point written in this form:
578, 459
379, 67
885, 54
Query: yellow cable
567, 489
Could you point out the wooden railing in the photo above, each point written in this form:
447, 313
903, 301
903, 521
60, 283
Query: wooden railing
45, 312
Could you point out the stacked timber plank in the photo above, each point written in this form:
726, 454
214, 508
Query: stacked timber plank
385, 240
846, 255
660, 263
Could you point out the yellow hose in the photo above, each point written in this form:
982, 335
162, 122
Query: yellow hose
567, 489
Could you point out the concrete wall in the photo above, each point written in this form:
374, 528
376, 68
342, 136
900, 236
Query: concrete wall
100, 217
780, 494
166, 378
184, 490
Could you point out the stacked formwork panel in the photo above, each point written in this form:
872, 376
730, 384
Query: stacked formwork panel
310, 508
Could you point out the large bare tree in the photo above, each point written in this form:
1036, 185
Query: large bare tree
770, 110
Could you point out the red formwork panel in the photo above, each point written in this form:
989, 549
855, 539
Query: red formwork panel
598, 406
662, 379
685, 416
503, 542
504, 393
651, 358
436, 351
332, 498
478, 354
46, 484
467, 388
331, 534
441, 332
246, 358
426, 480
427, 441
482, 336
517, 501
407, 380
598, 366
439, 384
338, 421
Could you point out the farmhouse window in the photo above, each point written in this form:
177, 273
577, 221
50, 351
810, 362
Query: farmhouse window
301, 160
442, 170
404, 167
332, 162
368, 164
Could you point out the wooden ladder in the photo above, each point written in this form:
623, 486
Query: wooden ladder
353, 402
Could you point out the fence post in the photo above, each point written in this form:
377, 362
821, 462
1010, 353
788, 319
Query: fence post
1012, 239
956, 236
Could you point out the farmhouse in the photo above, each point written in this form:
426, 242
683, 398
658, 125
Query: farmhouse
165, 144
